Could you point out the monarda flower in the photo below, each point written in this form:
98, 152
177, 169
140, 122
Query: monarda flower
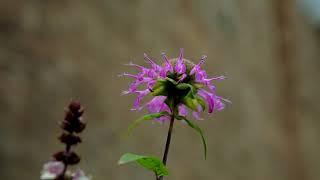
175, 82
179, 88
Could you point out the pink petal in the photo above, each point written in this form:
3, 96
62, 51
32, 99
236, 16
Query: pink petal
180, 67
80, 175
183, 110
52, 170
197, 68
141, 95
208, 98
157, 105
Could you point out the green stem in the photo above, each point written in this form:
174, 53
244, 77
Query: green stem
166, 151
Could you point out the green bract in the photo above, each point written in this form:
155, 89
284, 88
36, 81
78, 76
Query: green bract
180, 93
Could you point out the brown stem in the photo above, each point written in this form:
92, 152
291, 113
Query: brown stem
166, 151
68, 147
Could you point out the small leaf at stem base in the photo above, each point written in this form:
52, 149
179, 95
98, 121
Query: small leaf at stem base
151, 163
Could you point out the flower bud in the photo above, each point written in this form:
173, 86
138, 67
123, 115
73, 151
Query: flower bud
70, 158
73, 121
70, 139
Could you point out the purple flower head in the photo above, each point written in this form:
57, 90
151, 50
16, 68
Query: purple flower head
177, 83
52, 170
72, 125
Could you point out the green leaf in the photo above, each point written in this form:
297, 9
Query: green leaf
152, 163
145, 118
129, 157
198, 129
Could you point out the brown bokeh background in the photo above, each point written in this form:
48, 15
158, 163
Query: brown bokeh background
55, 51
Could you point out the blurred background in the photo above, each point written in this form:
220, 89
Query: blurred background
55, 51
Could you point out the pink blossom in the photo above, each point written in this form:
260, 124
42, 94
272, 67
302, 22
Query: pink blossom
178, 71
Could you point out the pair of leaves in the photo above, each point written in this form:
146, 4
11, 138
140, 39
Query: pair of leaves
164, 113
151, 163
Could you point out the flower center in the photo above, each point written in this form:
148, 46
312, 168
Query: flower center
188, 63
177, 77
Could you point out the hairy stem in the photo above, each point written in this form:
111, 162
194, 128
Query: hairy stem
166, 151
